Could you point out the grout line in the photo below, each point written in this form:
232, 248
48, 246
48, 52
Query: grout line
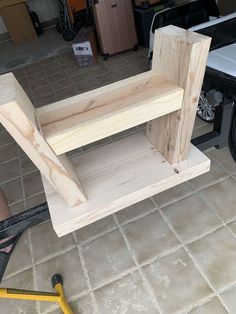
13, 274
29, 235
226, 177
54, 255
98, 236
4, 145
188, 252
197, 305
221, 167
34, 269
83, 264
7, 161
193, 260
11, 180
146, 284
174, 200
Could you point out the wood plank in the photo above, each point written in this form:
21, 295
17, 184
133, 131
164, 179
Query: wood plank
20, 119
94, 115
179, 56
118, 175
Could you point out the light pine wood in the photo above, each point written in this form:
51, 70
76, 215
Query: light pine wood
179, 56
127, 171
94, 115
118, 175
20, 119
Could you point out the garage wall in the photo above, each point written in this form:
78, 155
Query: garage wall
46, 10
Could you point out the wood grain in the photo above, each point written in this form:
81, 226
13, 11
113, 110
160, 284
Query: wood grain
94, 115
118, 175
20, 119
179, 56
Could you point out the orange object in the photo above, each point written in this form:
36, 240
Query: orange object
75, 6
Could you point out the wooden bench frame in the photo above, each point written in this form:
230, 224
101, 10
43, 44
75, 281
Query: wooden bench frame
105, 180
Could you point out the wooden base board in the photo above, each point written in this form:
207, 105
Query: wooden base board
118, 175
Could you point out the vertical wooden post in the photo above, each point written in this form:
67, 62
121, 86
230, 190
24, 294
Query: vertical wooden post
179, 56
20, 119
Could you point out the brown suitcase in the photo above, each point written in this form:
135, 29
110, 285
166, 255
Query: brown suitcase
115, 25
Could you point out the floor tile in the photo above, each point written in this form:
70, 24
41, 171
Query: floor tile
173, 194
127, 295
191, 218
106, 79
5, 138
221, 198
53, 65
45, 100
199, 123
106, 257
13, 191
216, 173
65, 92
19, 73
35, 200
229, 299
176, 282
58, 83
86, 85
96, 229
83, 305
17, 208
46, 243
212, 307
8, 152
216, 257
68, 265
21, 257
224, 158
115, 62
33, 68
42, 90
9, 170
202, 130
48, 61
32, 184
23, 281
132, 212
27, 166
37, 83
150, 237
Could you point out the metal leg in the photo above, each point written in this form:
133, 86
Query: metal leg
219, 136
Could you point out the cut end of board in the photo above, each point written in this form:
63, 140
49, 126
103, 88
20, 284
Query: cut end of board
118, 175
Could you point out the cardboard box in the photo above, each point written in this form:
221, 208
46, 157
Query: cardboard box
85, 48
18, 22
8, 3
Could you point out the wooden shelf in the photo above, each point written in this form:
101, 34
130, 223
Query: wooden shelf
86, 118
118, 175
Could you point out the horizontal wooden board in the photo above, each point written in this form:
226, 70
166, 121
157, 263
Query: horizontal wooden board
94, 115
118, 175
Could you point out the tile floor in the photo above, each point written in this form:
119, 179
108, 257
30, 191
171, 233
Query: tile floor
172, 253
49, 44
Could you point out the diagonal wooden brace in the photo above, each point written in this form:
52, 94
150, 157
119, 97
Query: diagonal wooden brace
20, 119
